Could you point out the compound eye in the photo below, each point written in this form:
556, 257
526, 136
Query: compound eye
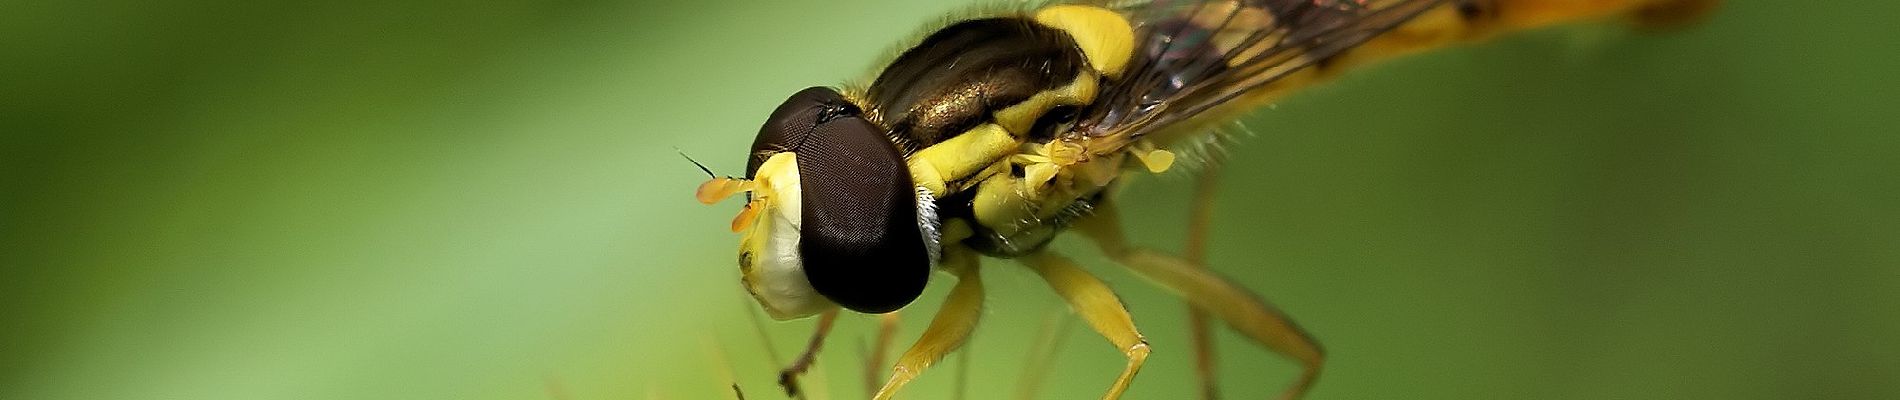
797, 121
860, 238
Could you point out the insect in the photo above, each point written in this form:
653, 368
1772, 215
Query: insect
994, 134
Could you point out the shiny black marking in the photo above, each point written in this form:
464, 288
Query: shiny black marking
859, 239
1054, 121
1472, 10
956, 77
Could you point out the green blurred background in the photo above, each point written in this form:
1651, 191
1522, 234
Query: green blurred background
482, 200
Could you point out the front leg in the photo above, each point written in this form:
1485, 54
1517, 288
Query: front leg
949, 329
1097, 305
788, 377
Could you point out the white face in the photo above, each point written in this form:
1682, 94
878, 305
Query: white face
768, 253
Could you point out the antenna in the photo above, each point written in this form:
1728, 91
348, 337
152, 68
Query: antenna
702, 167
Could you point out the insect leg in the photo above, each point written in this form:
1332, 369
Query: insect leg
874, 360
1097, 305
788, 377
1049, 338
1195, 252
949, 329
1236, 306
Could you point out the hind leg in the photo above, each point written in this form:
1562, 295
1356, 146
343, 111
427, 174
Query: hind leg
1219, 297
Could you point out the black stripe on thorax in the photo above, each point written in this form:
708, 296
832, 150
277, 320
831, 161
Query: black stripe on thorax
957, 76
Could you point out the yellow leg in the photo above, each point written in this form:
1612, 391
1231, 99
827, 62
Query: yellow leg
948, 330
1097, 305
1242, 310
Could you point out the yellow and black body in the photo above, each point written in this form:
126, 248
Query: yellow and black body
993, 134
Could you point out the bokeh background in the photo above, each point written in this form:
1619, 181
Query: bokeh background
483, 200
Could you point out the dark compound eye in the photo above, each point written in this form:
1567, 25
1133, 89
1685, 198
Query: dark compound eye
859, 238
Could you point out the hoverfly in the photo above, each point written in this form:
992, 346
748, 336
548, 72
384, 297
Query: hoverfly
995, 133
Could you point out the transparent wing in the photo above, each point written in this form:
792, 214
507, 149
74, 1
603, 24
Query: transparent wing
1192, 56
